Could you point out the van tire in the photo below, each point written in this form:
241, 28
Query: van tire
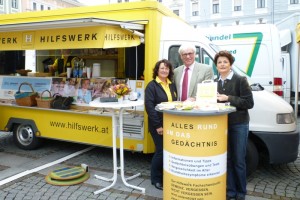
252, 157
24, 137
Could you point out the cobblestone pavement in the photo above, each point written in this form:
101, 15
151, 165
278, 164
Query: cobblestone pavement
268, 182
99, 160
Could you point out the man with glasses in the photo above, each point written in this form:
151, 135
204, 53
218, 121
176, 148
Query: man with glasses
188, 75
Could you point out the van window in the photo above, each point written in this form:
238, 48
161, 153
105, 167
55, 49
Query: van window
174, 56
207, 59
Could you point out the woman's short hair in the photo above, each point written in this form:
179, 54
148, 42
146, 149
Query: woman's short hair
167, 64
226, 54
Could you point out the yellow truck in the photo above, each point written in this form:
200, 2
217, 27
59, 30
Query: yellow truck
127, 39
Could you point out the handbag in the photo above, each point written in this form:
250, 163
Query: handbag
60, 102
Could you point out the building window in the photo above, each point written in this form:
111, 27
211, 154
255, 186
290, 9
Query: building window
14, 4
195, 11
216, 6
237, 5
261, 4
119, 1
126, 0
159, 1
42, 7
294, 2
237, 8
176, 12
1, 2
33, 6
49, 8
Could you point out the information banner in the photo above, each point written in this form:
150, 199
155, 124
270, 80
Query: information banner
195, 153
9, 85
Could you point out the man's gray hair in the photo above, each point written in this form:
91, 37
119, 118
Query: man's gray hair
185, 47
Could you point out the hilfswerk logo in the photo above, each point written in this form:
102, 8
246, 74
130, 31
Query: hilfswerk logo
69, 38
28, 38
113, 37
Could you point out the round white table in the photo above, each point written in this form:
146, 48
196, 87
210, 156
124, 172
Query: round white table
121, 107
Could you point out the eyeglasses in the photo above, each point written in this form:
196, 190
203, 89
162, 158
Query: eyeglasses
187, 54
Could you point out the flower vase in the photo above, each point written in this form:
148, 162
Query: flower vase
120, 99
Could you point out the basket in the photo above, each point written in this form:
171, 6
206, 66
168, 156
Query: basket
26, 98
44, 102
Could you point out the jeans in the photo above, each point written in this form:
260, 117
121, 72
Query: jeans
236, 159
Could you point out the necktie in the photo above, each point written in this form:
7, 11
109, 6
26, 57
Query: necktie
185, 85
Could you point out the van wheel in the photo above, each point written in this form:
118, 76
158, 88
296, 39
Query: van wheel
252, 157
24, 137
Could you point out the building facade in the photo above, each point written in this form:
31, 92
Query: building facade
209, 13
15, 6
198, 13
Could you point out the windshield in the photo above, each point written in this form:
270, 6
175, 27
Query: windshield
214, 47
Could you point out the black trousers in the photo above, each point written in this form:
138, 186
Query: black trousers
157, 159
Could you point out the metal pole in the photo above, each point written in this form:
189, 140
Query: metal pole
297, 85
136, 63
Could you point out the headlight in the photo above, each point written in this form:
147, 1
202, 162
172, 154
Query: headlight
286, 118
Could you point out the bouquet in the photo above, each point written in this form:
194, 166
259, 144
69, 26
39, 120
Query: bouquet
121, 90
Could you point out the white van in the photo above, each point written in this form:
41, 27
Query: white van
272, 130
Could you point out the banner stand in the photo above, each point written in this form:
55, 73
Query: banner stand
195, 154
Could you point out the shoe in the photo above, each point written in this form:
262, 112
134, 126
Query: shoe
240, 198
158, 186
229, 198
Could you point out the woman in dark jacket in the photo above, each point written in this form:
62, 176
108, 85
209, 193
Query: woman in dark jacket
160, 89
235, 89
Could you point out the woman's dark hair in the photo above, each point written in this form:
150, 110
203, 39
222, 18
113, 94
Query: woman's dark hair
226, 54
167, 64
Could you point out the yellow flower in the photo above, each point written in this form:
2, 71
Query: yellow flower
121, 89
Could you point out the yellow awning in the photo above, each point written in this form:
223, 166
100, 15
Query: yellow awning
110, 34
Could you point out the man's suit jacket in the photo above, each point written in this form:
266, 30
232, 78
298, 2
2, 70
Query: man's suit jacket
200, 73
